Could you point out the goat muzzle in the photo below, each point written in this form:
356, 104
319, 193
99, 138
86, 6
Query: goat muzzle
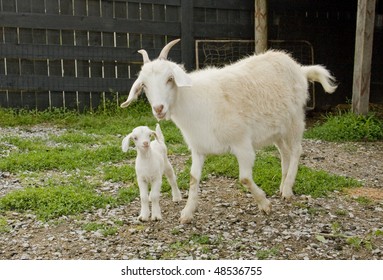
158, 109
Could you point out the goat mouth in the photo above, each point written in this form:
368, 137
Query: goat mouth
161, 116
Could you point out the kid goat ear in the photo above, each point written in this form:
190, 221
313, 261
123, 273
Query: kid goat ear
125, 143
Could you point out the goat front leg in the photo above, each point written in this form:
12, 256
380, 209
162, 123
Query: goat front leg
144, 189
195, 176
155, 199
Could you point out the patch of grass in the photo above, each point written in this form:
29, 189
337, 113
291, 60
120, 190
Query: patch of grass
127, 195
75, 138
267, 254
364, 200
341, 212
124, 173
175, 231
53, 202
105, 229
355, 242
358, 243
107, 121
319, 183
267, 175
200, 239
348, 126
4, 227
60, 158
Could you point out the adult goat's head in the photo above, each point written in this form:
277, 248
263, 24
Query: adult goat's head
160, 80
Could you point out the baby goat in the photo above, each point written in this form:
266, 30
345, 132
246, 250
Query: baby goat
151, 163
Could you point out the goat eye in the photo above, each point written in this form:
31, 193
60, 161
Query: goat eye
135, 138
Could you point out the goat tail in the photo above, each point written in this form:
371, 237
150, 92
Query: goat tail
318, 73
160, 137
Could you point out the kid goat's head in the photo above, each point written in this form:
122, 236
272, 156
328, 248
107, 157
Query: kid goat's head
141, 137
160, 80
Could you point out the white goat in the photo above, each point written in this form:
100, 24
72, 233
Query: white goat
151, 163
255, 102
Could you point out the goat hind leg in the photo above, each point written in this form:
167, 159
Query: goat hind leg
285, 161
287, 191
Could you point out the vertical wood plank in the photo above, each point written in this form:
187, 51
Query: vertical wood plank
187, 34
363, 56
38, 6
94, 8
120, 9
260, 26
9, 6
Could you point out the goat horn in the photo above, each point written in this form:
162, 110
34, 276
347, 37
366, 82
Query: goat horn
166, 49
145, 56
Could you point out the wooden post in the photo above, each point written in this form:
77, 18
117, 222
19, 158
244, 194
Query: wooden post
187, 34
260, 29
363, 56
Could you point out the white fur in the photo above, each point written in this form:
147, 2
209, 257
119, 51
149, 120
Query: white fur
151, 163
242, 107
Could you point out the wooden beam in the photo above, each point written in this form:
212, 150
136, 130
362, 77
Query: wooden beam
187, 34
363, 56
260, 26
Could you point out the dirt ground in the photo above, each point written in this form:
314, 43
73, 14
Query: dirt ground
228, 224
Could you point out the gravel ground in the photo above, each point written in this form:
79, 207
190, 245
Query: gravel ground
228, 224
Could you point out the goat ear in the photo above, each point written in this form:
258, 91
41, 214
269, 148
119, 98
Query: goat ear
181, 78
125, 143
135, 91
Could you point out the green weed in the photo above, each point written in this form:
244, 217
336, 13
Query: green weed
200, 239
348, 126
41, 157
364, 200
53, 202
267, 254
127, 195
4, 227
105, 229
267, 174
124, 173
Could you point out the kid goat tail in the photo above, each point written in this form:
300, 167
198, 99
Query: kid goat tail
318, 73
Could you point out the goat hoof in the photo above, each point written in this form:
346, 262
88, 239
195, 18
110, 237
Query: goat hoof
177, 199
185, 220
143, 218
157, 218
287, 196
265, 207
186, 216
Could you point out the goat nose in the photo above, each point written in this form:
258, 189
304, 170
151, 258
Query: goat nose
145, 144
158, 109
